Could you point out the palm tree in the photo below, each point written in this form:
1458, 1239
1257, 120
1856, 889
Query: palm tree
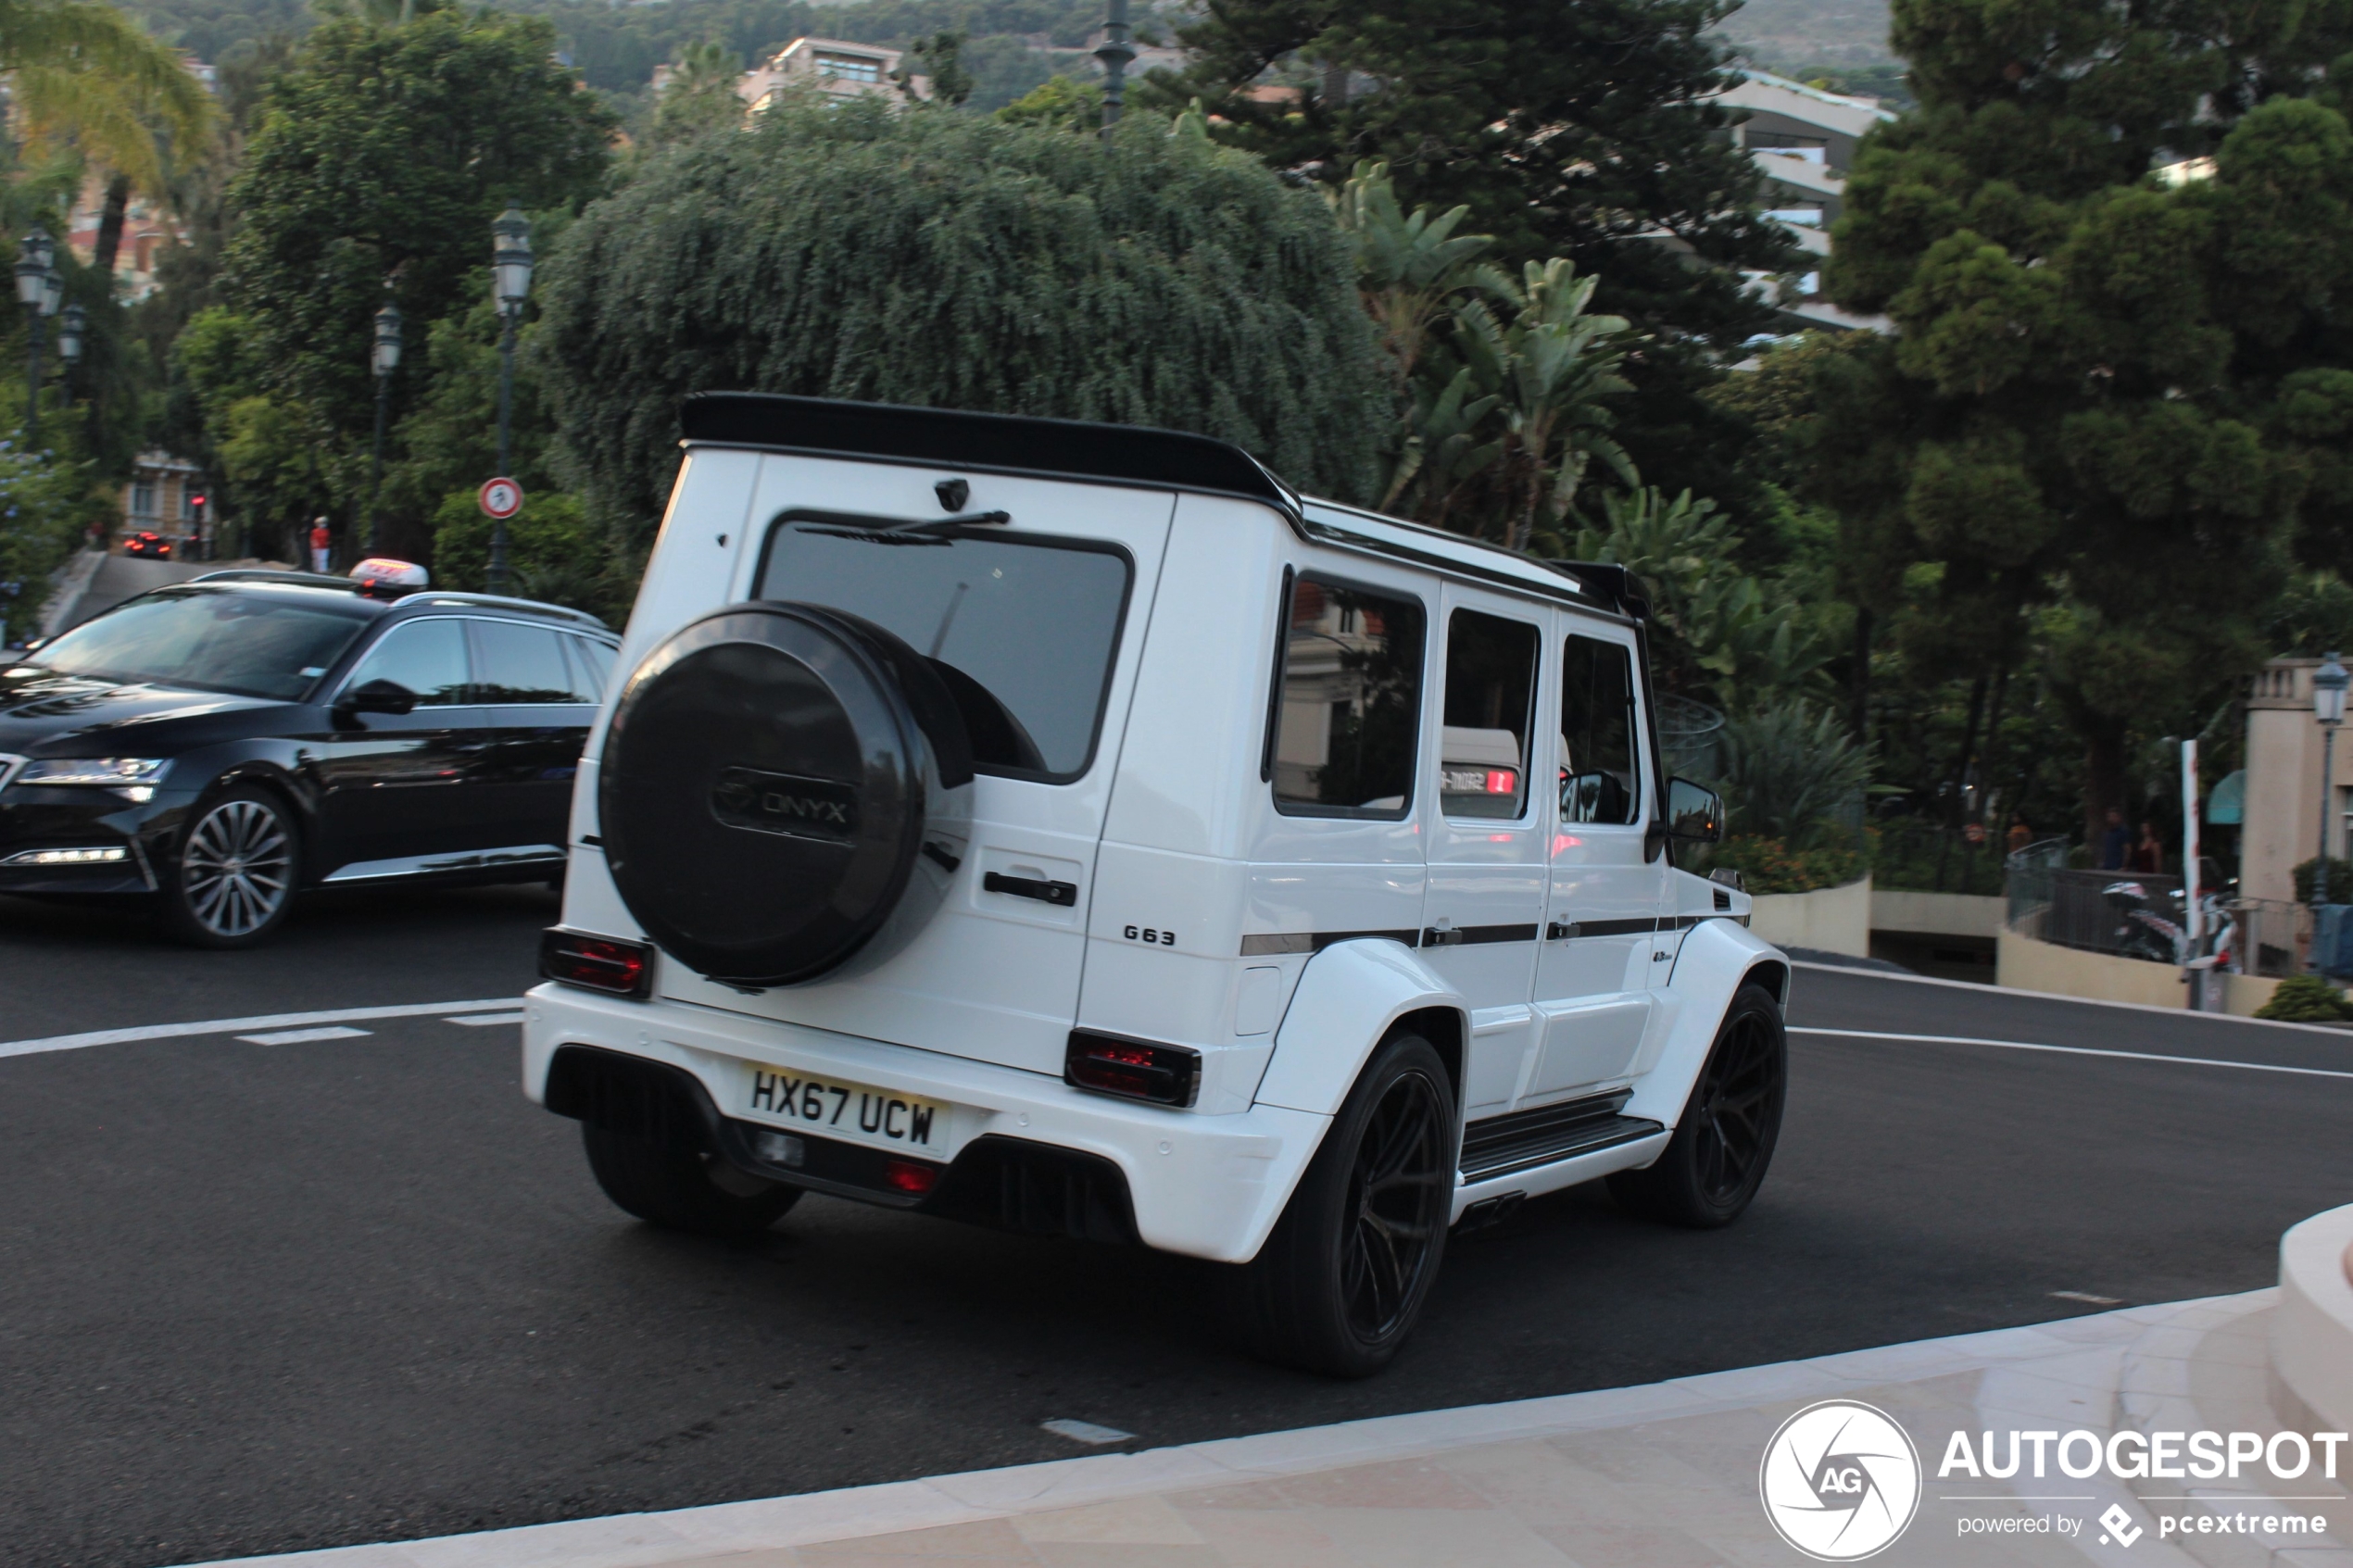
1554, 367
84, 78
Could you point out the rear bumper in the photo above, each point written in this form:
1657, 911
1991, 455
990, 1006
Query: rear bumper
1208, 1186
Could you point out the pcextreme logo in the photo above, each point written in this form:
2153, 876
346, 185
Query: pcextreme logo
1840, 1481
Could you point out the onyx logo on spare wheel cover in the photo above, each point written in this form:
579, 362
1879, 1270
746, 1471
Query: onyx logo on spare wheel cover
1840, 1481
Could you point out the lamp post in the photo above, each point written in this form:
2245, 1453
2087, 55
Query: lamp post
72, 327
1115, 54
2328, 706
34, 253
511, 282
384, 358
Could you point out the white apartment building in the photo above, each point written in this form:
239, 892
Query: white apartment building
1803, 139
832, 67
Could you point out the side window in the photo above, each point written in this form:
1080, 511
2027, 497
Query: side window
591, 668
1490, 698
1601, 781
1347, 703
427, 657
518, 663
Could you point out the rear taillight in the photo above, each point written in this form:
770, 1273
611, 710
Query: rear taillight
597, 963
1136, 1069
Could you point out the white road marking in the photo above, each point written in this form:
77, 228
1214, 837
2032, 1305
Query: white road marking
1084, 1432
2064, 1050
2086, 1296
303, 1037
485, 1019
240, 1025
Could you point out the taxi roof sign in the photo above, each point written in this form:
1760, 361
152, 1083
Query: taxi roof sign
381, 572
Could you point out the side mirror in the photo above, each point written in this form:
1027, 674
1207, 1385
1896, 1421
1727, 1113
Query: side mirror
35, 645
376, 697
1693, 812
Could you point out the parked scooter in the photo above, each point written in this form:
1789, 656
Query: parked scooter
2160, 935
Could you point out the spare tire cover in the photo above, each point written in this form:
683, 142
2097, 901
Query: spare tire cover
773, 776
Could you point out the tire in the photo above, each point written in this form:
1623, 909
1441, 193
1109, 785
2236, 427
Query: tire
682, 1191
231, 883
1342, 1281
1725, 1139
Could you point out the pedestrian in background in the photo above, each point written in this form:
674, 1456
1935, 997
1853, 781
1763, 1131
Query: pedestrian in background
2021, 835
2148, 854
2116, 844
322, 544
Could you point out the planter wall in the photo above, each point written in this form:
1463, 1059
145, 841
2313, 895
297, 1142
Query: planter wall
1832, 920
2025, 964
1937, 914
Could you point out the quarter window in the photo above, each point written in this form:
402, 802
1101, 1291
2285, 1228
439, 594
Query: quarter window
426, 657
591, 668
1348, 702
1491, 697
1599, 778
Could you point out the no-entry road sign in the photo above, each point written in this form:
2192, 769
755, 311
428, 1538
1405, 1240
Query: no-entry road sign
501, 498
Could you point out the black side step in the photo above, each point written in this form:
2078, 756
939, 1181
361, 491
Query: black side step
1499, 1146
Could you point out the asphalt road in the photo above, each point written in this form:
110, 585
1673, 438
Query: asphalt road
265, 1298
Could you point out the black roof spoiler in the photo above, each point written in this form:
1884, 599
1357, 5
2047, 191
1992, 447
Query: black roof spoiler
950, 438
1611, 581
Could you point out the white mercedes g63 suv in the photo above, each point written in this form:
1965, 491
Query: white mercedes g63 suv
1070, 828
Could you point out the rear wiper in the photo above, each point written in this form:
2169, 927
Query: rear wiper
940, 526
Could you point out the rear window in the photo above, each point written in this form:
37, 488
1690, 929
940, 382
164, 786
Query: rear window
1023, 628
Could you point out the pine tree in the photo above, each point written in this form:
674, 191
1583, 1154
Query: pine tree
2116, 400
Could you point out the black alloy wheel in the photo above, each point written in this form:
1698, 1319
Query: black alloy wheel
1717, 1157
1340, 1282
1397, 1193
232, 881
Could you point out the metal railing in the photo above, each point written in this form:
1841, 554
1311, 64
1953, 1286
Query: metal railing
2076, 909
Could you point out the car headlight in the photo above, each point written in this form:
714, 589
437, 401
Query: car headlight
94, 770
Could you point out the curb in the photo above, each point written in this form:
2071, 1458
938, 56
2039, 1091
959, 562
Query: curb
694, 1535
2312, 1335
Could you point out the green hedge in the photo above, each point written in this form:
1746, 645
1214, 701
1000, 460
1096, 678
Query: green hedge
1769, 865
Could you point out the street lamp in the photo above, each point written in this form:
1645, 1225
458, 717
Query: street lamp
2328, 706
72, 327
34, 253
1115, 54
511, 285
384, 358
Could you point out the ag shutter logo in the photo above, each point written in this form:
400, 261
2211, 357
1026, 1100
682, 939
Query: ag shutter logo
1841, 1481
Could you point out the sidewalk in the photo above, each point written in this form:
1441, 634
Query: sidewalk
1662, 1476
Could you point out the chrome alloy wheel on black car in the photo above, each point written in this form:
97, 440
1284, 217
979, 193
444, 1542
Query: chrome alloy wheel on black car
237, 872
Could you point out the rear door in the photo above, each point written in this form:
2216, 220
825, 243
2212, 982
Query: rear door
1594, 972
539, 703
1040, 622
394, 785
1485, 901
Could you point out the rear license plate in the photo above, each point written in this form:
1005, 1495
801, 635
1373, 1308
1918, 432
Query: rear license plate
856, 1112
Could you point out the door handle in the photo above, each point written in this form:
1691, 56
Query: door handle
1063, 895
1441, 937
1560, 931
